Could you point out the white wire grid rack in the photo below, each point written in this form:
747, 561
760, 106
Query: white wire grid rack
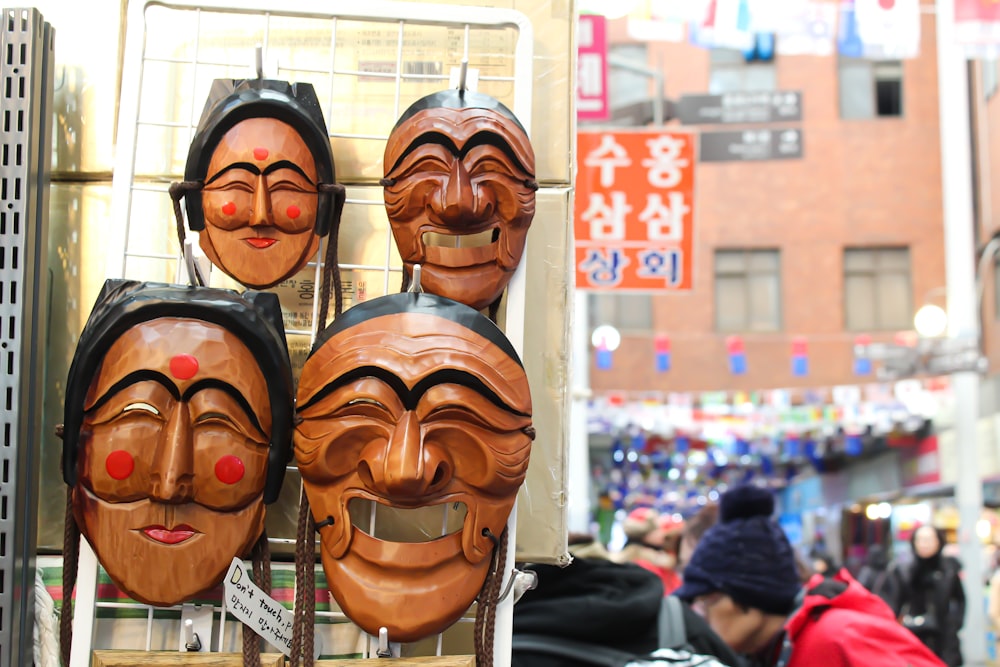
368, 63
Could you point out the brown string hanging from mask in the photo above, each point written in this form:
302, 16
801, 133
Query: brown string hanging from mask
71, 556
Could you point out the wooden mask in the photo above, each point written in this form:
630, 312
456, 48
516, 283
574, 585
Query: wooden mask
262, 155
411, 401
177, 431
459, 164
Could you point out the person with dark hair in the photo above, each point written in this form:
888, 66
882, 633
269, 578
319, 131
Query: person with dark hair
597, 604
652, 544
694, 529
823, 562
585, 545
877, 576
931, 597
742, 577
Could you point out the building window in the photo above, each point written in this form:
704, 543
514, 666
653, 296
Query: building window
731, 73
877, 291
629, 313
870, 89
626, 86
747, 290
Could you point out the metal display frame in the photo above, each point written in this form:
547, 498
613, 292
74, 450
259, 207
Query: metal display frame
26, 92
125, 185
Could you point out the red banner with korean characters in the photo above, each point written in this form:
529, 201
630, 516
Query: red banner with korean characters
634, 213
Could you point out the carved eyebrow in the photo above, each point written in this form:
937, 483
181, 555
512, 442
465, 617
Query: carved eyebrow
246, 166
233, 392
253, 169
482, 138
136, 377
410, 397
287, 164
145, 375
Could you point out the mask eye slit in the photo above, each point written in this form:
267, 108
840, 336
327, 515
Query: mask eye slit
141, 407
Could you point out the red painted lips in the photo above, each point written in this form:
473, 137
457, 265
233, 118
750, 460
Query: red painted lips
260, 243
169, 535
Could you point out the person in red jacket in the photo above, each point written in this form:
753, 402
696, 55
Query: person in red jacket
653, 540
742, 578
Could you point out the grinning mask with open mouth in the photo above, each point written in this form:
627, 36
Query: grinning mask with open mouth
460, 194
410, 402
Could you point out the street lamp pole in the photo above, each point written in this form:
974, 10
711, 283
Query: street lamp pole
963, 316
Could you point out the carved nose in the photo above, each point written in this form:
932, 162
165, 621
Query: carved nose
172, 468
260, 214
457, 200
403, 468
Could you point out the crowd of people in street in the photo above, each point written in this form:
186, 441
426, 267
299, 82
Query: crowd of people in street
748, 598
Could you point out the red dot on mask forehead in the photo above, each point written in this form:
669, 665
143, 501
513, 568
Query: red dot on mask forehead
183, 366
261, 153
229, 469
119, 464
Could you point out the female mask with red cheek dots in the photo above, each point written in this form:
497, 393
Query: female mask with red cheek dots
177, 431
261, 180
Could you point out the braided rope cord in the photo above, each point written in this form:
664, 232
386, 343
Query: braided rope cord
71, 556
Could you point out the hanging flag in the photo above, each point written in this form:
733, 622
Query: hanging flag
793, 446
731, 29
737, 355
603, 357
800, 357
889, 29
772, 16
661, 345
849, 42
665, 20
680, 10
862, 365
977, 27
726, 26
655, 29
810, 31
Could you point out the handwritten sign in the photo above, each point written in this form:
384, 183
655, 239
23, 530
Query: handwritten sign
257, 610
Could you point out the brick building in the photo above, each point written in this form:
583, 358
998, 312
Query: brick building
847, 240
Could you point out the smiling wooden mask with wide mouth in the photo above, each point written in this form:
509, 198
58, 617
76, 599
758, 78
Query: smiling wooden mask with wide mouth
177, 432
411, 403
460, 194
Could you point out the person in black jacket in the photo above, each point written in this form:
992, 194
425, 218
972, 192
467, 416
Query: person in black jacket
932, 601
615, 605
877, 576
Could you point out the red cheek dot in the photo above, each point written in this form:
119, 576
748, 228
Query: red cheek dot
229, 208
229, 469
119, 464
260, 153
183, 366
293, 211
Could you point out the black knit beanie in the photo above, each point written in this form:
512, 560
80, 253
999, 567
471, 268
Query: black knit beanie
745, 555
